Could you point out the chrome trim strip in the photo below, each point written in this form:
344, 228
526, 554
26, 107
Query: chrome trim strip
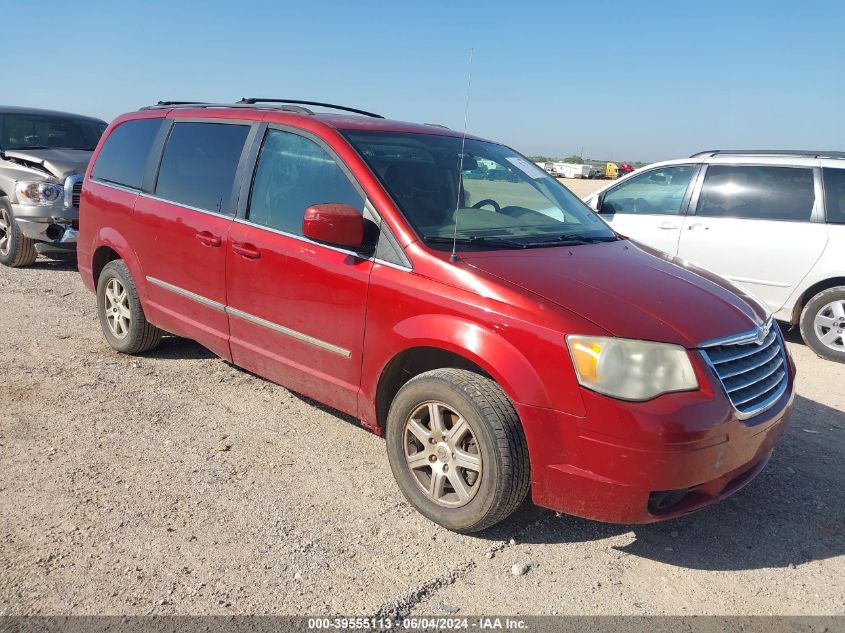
383, 262
251, 318
288, 332
70, 181
114, 185
188, 294
301, 238
761, 282
748, 336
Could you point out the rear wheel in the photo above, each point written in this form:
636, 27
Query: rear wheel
457, 449
121, 315
823, 324
15, 248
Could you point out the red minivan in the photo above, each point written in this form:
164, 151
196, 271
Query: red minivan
498, 333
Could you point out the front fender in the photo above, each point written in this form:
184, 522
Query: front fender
484, 347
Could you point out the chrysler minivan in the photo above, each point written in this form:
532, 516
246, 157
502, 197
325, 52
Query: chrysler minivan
496, 331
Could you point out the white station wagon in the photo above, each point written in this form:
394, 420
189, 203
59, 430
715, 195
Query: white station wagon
772, 222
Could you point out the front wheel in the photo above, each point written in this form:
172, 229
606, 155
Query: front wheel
15, 248
457, 449
823, 324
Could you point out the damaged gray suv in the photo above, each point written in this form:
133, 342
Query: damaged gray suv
43, 156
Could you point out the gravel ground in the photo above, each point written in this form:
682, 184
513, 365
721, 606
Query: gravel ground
174, 483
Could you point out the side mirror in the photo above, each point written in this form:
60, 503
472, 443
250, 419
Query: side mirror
336, 225
593, 203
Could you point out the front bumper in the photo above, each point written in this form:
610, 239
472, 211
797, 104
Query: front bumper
626, 462
56, 225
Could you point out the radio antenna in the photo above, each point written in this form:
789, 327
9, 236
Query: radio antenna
454, 256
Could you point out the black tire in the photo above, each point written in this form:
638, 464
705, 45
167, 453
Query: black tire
506, 474
809, 332
19, 250
140, 335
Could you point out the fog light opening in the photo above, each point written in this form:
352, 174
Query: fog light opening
55, 232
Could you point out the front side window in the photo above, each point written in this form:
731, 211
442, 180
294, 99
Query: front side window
44, 131
294, 173
497, 198
199, 165
124, 154
757, 192
834, 195
656, 192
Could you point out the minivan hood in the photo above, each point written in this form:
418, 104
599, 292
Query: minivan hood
59, 162
629, 290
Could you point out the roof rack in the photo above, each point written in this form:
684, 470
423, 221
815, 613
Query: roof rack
255, 100
769, 152
287, 105
203, 104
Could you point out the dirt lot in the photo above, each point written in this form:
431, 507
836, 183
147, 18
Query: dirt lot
176, 483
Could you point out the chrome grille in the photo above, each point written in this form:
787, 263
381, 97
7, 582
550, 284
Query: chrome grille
753, 372
76, 194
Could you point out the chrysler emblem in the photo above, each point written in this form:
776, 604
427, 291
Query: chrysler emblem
763, 332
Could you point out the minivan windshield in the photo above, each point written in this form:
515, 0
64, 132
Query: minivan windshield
41, 131
500, 200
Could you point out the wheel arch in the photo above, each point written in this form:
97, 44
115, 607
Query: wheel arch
110, 245
812, 291
461, 344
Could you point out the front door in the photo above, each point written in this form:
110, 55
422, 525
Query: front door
297, 308
183, 231
649, 207
754, 225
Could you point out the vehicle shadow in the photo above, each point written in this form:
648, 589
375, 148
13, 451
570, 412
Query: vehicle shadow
791, 514
61, 263
178, 348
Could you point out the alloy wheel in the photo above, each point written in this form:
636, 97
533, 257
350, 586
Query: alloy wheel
118, 314
829, 325
442, 454
5, 232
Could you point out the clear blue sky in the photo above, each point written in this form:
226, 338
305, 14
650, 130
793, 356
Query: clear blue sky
625, 80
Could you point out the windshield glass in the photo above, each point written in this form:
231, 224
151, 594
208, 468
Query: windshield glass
503, 199
37, 131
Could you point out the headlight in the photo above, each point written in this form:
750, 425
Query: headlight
628, 369
43, 193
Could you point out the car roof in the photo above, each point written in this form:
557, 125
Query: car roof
289, 113
41, 112
733, 158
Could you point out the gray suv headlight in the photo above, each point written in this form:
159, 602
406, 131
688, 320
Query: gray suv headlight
40, 193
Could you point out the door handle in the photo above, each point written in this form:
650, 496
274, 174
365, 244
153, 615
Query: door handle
208, 239
698, 226
246, 250
668, 225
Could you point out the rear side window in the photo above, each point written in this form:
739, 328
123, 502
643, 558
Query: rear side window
199, 164
834, 195
293, 173
123, 158
757, 193
656, 192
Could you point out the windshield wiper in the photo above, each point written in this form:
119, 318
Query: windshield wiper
572, 238
17, 149
476, 240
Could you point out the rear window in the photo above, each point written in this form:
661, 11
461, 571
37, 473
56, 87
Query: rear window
834, 195
757, 192
123, 158
199, 164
